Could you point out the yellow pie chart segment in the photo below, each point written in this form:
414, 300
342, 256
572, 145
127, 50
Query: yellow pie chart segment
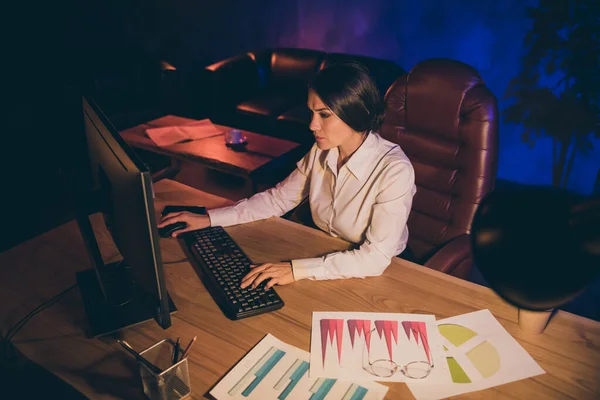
456, 372
484, 356
456, 334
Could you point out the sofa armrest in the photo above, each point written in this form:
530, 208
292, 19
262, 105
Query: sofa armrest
168, 172
232, 81
454, 258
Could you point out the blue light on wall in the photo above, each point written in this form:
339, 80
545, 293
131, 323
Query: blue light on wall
485, 34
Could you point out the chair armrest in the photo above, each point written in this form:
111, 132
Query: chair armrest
301, 214
454, 258
232, 81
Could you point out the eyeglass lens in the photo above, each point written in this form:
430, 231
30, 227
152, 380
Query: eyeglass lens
384, 368
417, 369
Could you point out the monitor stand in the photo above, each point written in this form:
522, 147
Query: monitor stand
125, 304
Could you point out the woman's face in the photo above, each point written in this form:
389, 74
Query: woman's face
329, 130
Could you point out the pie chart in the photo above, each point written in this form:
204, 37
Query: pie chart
468, 352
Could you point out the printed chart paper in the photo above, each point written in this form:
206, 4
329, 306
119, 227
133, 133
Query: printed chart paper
388, 347
480, 354
276, 370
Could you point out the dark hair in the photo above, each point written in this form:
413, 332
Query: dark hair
350, 92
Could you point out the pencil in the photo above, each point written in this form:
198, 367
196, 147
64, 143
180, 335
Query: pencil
176, 351
187, 349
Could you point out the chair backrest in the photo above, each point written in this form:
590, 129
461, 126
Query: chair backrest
446, 120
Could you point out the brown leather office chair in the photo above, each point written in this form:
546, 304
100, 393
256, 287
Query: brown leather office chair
446, 120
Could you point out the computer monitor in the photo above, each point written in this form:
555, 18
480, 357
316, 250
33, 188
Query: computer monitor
132, 290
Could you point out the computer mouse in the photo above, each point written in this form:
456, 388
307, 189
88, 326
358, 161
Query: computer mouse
167, 231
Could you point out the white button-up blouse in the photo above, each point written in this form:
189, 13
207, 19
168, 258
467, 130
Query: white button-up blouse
366, 202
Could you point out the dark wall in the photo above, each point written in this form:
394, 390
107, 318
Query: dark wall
69, 42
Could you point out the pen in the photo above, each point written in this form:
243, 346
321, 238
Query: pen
187, 349
176, 351
138, 357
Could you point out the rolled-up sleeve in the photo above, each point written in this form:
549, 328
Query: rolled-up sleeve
273, 202
385, 234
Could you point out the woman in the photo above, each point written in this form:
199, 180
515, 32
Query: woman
360, 186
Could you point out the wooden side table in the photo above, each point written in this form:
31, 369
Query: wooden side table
262, 152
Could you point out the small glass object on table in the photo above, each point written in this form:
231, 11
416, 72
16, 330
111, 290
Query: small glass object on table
235, 139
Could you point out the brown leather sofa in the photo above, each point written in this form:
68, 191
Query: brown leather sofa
446, 121
266, 91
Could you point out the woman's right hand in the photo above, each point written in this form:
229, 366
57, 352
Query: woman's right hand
193, 221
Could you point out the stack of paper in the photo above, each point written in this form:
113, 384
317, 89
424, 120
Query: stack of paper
169, 135
349, 351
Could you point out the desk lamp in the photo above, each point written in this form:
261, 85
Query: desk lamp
538, 248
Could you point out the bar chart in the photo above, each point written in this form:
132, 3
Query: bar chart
292, 376
276, 370
359, 346
255, 375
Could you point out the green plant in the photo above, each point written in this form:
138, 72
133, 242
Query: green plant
557, 90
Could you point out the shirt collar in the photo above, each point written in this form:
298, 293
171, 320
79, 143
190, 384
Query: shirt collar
332, 157
359, 164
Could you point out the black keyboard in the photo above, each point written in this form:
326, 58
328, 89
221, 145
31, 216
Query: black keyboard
223, 264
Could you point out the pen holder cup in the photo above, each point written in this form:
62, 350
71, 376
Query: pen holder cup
173, 383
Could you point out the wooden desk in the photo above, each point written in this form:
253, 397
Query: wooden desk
569, 349
260, 153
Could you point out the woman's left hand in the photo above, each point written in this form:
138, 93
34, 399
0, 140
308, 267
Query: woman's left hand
278, 274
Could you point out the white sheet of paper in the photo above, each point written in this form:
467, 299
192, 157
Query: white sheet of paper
170, 120
360, 345
170, 129
276, 370
169, 135
480, 354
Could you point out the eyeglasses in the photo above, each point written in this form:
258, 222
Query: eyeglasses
385, 368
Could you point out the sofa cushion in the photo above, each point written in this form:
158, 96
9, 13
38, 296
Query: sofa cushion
271, 103
232, 81
294, 124
294, 68
299, 114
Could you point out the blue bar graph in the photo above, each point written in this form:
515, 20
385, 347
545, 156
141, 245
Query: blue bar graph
351, 393
359, 393
294, 378
324, 388
278, 371
263, 371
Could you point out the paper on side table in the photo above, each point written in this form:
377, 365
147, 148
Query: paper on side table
169, 135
